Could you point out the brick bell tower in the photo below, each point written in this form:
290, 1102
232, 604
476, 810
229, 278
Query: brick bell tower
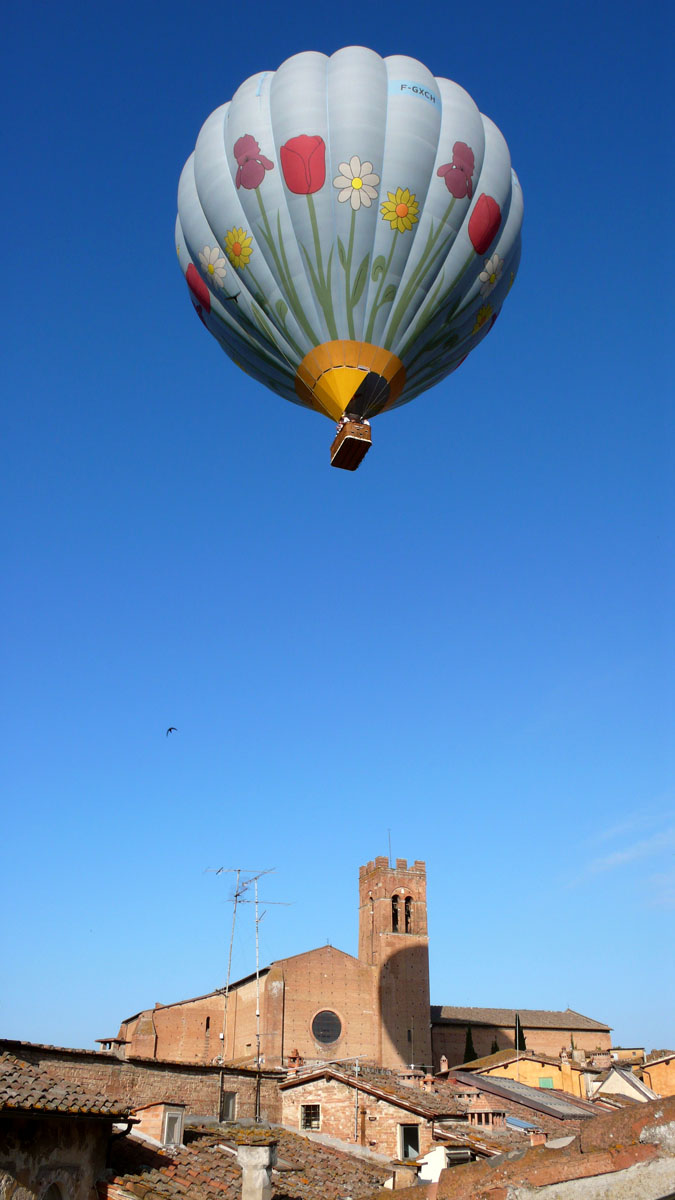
393, 940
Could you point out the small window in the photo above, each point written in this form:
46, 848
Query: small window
410, 1035
410, 1141
173, 1127
408, 914
394, 914
310, 1116
208, 1024
546, 1081
228, 1106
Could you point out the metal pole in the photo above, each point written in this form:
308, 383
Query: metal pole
257, 980
229, 964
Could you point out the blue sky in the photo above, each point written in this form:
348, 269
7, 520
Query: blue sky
466, 643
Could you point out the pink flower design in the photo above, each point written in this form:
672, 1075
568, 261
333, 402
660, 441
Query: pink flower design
484, 223
303, 162
251, 164
458, 173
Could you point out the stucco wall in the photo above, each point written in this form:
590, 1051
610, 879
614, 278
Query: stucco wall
38, 1151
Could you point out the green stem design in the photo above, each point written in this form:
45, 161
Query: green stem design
424, 264
324, 296
262, 351
436, 302
348, 277
281, 264
383, 276
274, 318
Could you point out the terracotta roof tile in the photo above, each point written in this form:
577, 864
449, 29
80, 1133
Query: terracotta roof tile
207, 1167
530, 1018
28, 1088
607, 1145
441, 1102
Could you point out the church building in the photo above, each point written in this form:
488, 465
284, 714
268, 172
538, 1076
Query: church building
325, 1005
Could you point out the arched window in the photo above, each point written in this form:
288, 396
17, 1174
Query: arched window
394, 914
408, 914
208, 1024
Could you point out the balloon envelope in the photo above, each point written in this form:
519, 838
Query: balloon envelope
349, 227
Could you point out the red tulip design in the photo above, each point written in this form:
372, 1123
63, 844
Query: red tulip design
251, 164
484, 223
458, 173
200, 293
303, 162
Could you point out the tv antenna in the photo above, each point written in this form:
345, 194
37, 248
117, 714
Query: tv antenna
239, 897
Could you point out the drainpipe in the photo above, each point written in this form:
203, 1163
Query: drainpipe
356, 1104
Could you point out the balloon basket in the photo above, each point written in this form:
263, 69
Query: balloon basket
351, 445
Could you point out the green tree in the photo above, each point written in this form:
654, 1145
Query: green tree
494, 1048
469, 1050
520, 1036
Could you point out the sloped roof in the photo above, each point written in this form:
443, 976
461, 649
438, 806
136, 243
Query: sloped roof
546, 1100
501, 1057
207, 1169
530, 1018
425, 1104
659, 1056
601, 1156
27, 1088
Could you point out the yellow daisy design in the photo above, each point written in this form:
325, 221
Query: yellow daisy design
484, 313
400, 209
239, 248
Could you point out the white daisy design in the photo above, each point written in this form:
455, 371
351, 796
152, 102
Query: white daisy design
213, 265
356, 183
491, 274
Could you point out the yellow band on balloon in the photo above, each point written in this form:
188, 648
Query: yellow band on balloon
331, 374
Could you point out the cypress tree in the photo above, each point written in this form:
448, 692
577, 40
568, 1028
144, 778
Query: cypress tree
520, 1036
469, 1051
494, 1048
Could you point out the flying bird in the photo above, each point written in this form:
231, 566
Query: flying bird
171, 729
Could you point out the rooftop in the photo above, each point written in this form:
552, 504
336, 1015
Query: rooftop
27, 1088
443, 1101
546, 1100
530, 1018
207, 1169
626, 1153
502, 1057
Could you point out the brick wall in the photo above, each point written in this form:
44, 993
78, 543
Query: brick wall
329, 979
376, 1122
187, 1032
137, 1083
451, 1040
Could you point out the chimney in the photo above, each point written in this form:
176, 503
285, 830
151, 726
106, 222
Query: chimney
444, 1063
537, 1138
256, 1162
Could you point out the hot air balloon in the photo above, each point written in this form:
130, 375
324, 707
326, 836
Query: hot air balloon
349, 227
